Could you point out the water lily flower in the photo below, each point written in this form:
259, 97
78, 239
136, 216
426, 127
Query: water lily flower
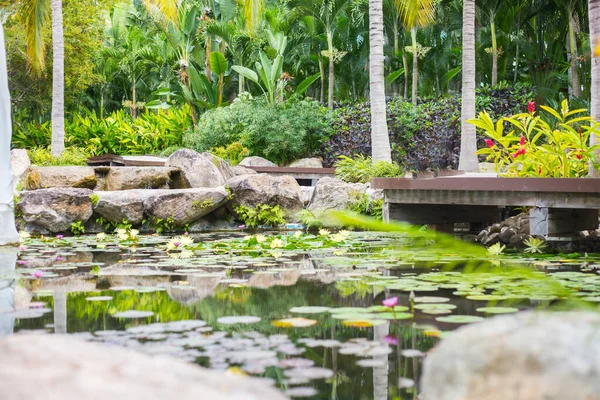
21, 262
247, 238
123, 236
277, 243
391, 302
133, 234
101, 236
338, 237
276, 254
344, 233
173, 244
531, 107
185, 240
489, 143
24, 235
339, 252
59, 237
389, 339
260, 238
60, 258
120, 231
37, 274
297, 234
324, 232
22, 248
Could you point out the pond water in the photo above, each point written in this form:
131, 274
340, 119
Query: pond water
303, 311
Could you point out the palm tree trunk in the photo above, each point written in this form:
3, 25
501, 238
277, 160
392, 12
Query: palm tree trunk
395, 87
322, 71
594, 20
468, 140
575, 82
517, 51
494, 53
380, 141
331, 70
58, 79
415, 71
207, 54
405, 65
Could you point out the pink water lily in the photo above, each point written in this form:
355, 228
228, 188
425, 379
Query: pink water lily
59, 236
389, 339
37, 274
391, 302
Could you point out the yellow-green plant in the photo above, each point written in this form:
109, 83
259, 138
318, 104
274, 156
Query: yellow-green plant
534, 147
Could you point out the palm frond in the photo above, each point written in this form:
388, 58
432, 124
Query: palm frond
35, 15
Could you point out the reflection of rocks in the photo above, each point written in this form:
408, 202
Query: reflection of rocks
199, 288
264, 281
57, 208
67, 368
49, 177
50, 259
532, 356
71, 283
123, 275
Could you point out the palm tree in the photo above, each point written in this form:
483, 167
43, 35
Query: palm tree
468, 140
380, 142
35, 14
594, 19
416, 13
490, 8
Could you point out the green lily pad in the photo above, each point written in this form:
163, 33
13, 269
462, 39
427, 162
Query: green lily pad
498, 310
391, 316
459, 319
378, 309
434, 306
309, 310
431, 299
346, 310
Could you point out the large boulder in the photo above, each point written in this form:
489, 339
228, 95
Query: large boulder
122, 204
56, 209
184, 206
67, 368
125, 178
222, 165
56, 177
527, 356
335, 194
19, 161
198, 171
252, 190
307, 163
239, 170
255, 161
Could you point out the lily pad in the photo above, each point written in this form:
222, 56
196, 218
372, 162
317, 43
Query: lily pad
434, 306
294, 323
309, 310
431, 299
498, 310
459, 319
378, 309
238, 319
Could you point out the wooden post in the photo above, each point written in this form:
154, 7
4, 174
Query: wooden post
550, 221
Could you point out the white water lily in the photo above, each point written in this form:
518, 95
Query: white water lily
101, 236
173, 244
133, 234
277, 243
186, 254
345, 233
297, 234
186, 240
248, 238
120, 231
123, 236
324, 232
339, 252
261, 238
276, 254
24, 235
338, 237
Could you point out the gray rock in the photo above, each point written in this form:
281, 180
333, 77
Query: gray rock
67, 368
506, 234
495, 228
527, 356
335, 194
125, 178
122, 204
198, 171
185, 206
222, 165
518, 239
19, 161
307, 194
491, 239
375, 194
482, 235
307, 163
57, 177
239, 170
256, 162
56, 209
252, 190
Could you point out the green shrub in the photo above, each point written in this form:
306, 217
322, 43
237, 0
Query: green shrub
233, 153
361, 169
262, 214
280, 132
71, 156
364, 205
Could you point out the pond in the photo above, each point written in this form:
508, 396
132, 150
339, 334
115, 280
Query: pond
304, 311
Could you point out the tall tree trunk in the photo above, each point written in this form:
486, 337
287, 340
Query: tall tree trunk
58, 79
322, 71
8, 232
134, 100
575, 82
395, 87
380, 141
494, 53
405, 65
331, 70
517, 51
208, 48
415, 71
468, 139
594, 17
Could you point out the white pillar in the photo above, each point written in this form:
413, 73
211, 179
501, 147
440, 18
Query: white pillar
8, 282
8, 232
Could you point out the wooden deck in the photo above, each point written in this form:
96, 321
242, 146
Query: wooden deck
557, 205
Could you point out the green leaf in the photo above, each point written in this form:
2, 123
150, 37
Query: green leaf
393, 76
452, 74
218, 63
246, 73
304, 85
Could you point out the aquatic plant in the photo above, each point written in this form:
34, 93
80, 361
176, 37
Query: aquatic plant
534, 245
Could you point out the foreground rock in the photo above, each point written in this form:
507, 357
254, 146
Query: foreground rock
56, 209
184, 206
528, 356
20, 162
252, 190
256, 162
66, 368
198, 171
222, 165
125, 178
56, 177
335, 194
307, 163
122, 205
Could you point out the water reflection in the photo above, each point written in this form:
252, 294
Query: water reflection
8, 283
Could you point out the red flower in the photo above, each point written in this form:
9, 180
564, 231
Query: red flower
519, 152
522, 141
489, 143
531, 107
579, 156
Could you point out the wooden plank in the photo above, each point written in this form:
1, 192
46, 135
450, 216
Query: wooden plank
421, 214
578, 200
552, 221
484, 184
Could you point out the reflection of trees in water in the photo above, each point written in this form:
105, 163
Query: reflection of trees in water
8, 282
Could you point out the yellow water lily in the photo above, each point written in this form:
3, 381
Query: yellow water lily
101, 236
277, 243
133, 234
297, 234
261, 238
324, 232
24, 235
